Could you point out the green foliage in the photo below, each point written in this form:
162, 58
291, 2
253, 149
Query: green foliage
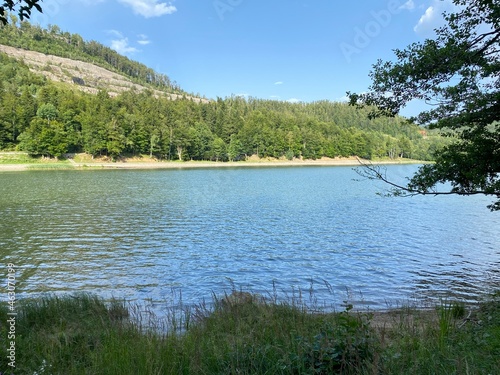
235, 149
346, 346
23, 9
458, 72
47, 111
219, 149
42, 138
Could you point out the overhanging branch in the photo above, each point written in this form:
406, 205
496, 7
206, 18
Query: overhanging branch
374, 172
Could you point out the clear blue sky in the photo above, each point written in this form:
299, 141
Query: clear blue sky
293, 50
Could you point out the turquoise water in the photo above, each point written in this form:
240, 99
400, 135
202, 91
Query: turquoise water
142, 234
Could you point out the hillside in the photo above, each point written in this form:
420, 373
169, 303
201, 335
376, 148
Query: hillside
53, 41
85, 76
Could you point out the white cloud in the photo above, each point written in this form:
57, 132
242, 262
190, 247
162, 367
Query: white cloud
120, 44
409, 5
294, 100
426, 22
278, 83
143, 40
149, 8
274, 96
433, 17
122, 47
115, 33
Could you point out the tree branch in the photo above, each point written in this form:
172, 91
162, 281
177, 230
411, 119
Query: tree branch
373, 172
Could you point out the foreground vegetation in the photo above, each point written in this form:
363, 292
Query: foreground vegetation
245, 334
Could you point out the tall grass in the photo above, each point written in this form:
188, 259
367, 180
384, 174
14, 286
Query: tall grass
241, 333
444, 340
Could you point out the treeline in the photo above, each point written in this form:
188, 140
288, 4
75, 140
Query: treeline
50, 119
53, 41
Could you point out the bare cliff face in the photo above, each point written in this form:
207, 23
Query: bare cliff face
84, 76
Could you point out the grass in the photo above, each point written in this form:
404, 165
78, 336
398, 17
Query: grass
446, 341
50, 166
243, 333
33, 162
16, 158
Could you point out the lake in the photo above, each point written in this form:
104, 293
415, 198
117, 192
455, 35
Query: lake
143, 235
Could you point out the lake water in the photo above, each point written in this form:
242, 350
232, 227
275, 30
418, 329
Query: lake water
143, 234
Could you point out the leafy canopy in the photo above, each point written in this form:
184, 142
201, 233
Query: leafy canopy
23, 8
458, 74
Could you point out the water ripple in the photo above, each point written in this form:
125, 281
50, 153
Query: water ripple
138, 234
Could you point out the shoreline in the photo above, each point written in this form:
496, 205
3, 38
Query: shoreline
150, 165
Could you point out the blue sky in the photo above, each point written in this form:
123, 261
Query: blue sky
292, 50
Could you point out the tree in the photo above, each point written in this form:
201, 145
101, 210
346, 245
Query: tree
44, 139
181, 138
116, 140
23, 9
458, 72
219, 149
234, 149
48, 111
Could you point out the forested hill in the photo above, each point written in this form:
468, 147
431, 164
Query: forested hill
51, 118
83, 75
55, 42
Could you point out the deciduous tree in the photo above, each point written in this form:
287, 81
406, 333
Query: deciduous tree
459, 73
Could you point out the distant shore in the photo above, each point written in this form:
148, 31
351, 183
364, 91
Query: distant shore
134, 163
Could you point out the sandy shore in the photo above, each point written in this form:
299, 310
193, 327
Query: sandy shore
191, 164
